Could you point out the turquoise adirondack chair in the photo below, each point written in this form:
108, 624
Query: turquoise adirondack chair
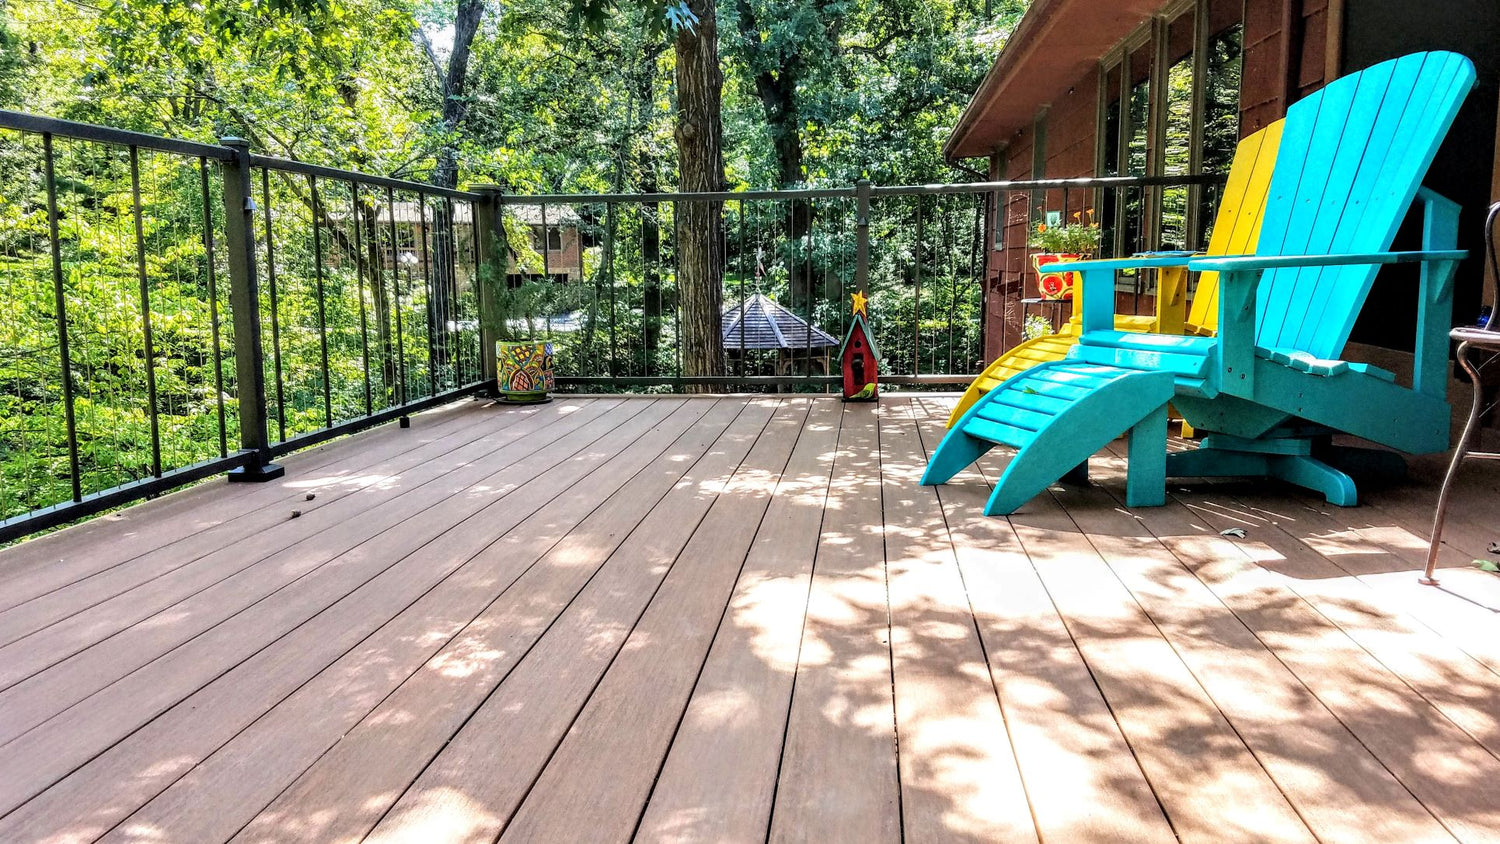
1269, 391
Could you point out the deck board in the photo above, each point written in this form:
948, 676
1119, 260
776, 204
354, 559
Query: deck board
732, 619
959, 780
838, 779
719, 777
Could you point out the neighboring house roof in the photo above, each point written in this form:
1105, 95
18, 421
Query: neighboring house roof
410, 212
463, 214
532, 214
1056, 43
860, 321
767, 325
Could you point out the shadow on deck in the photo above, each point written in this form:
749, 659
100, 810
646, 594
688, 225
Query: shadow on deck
738, 619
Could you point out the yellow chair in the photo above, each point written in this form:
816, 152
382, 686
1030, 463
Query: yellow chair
1236, 230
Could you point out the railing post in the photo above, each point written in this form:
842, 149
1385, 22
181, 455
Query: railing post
862, 235
244, 300
486, 232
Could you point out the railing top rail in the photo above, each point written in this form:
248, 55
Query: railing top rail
104, 134
699, 196
888, 190
1045, 184
303, 167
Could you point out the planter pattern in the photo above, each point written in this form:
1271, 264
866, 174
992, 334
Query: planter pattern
524, 368
1055, 285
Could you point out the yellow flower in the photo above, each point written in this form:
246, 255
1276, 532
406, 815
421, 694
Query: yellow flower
1041, 227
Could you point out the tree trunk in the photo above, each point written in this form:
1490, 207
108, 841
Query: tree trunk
700, 226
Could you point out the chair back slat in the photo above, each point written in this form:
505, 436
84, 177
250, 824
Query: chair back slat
1352, 157
1237, 224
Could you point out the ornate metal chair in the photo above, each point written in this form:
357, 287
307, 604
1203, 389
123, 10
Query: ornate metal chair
1485, 339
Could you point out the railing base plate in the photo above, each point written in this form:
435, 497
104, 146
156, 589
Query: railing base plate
256, 474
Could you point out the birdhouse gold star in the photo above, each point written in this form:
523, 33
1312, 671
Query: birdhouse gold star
857, 301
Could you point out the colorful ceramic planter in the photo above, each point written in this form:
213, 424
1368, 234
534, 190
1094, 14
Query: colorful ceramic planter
524, 370
1054, 285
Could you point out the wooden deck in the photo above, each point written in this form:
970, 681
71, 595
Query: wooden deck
739, 620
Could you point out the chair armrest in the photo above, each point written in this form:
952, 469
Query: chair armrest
1170, 259
1271, 262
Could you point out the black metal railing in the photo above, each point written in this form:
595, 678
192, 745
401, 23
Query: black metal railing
176, 310
922, 253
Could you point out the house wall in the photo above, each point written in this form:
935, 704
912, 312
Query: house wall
1287, 55
565, 261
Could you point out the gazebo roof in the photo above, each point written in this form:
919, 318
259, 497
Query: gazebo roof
767, 325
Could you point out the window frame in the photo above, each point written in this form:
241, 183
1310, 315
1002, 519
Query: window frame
1154, 35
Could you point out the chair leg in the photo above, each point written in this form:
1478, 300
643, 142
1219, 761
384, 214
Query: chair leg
1470, 427
1146, 476
1311, 473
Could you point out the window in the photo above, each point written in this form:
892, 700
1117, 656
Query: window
1170, 107
554, 238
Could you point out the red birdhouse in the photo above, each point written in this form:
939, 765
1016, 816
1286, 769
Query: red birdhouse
859, 357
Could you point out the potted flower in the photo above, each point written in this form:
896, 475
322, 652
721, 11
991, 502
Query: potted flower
1074, 241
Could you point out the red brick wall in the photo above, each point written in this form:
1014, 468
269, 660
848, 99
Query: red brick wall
1263, 88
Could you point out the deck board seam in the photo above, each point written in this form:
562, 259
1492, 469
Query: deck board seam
336, 657
1290, 670
561, 612
319, 532
594, 687
890, 631
1198, 681
186, 497
916, 422
723, 614
985, 472
228, 541
461, 628
222, 494
215, 626
812, 572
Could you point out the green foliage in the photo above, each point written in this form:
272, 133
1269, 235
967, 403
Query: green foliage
552, 106
1080, 237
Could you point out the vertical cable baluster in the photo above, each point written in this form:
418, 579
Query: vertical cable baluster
145, 294
317, 212
390, 201
359, 274
744, 305
478, 365
611, 232
949, 368
60, 302
546, 260
976, 286
916, 348
646, 285
432, 302
677, 293
213, 305
812, 308
265, 192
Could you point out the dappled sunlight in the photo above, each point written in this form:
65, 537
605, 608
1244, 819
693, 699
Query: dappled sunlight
439, 814
1342, 543
886, 656
767, 607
